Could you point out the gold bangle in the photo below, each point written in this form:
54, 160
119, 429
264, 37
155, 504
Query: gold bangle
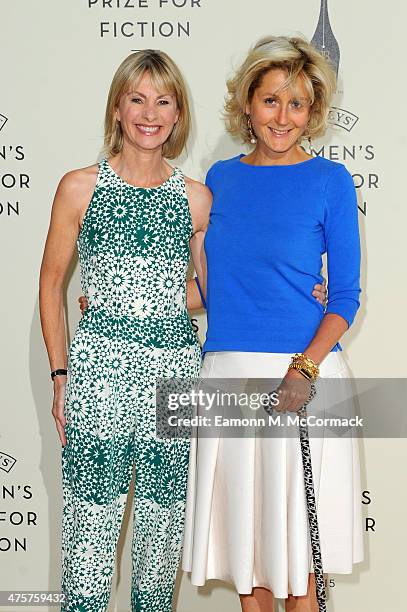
301, 370
305, 366
307, 360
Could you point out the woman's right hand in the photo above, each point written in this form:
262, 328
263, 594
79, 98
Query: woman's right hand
58, 406
83, 303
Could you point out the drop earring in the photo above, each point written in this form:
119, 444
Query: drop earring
309, 143
252, 135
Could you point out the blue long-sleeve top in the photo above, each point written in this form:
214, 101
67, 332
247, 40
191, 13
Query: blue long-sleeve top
269, 227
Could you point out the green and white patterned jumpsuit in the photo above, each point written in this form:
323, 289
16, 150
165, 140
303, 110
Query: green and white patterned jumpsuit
134, 252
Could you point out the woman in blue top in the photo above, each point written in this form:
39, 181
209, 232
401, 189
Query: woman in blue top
275, 213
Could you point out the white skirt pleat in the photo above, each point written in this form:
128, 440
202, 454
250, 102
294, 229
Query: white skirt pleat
246, 517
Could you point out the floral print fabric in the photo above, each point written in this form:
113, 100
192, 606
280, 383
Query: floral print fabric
134, 253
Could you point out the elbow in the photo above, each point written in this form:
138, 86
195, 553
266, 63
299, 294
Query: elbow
50, 280
50, 289
346, 304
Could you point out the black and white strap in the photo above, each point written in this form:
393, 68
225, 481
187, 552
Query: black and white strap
310, 499
311, 504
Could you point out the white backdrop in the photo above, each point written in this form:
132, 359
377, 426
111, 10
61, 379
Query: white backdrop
58, 58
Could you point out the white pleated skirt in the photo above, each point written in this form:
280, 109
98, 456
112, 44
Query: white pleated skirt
246, 516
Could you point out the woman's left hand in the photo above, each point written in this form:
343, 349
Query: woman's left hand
83, 303
293, 392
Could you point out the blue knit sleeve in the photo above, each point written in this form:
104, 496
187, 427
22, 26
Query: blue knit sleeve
209, 180
342, 244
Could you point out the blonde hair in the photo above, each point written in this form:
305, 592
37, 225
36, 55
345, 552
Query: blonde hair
299, 59
166, 77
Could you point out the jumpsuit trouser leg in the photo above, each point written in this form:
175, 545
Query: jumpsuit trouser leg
97, 467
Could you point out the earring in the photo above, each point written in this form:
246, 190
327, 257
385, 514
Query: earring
252, 135
308, 137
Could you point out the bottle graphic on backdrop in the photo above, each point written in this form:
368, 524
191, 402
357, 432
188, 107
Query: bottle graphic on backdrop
325, 42
324, 39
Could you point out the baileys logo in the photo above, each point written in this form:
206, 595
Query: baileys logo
7, 462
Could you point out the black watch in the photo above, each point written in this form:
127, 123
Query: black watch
58, 373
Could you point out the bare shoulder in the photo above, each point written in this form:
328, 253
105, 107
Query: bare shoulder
198, 193
200, 203
74, 192
79, 182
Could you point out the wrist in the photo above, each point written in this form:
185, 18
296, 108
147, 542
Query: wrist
313, 357
305, 366
294, 373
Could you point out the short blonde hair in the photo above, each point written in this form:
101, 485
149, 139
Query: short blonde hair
299, 59
166, 77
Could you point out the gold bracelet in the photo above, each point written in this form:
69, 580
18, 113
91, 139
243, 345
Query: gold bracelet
305, 366
308, 363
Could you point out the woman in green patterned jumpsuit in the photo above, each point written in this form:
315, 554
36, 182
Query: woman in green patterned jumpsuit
135, 220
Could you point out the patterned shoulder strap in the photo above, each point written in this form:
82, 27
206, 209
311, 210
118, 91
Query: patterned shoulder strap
179, 181
104, 175
181, 187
